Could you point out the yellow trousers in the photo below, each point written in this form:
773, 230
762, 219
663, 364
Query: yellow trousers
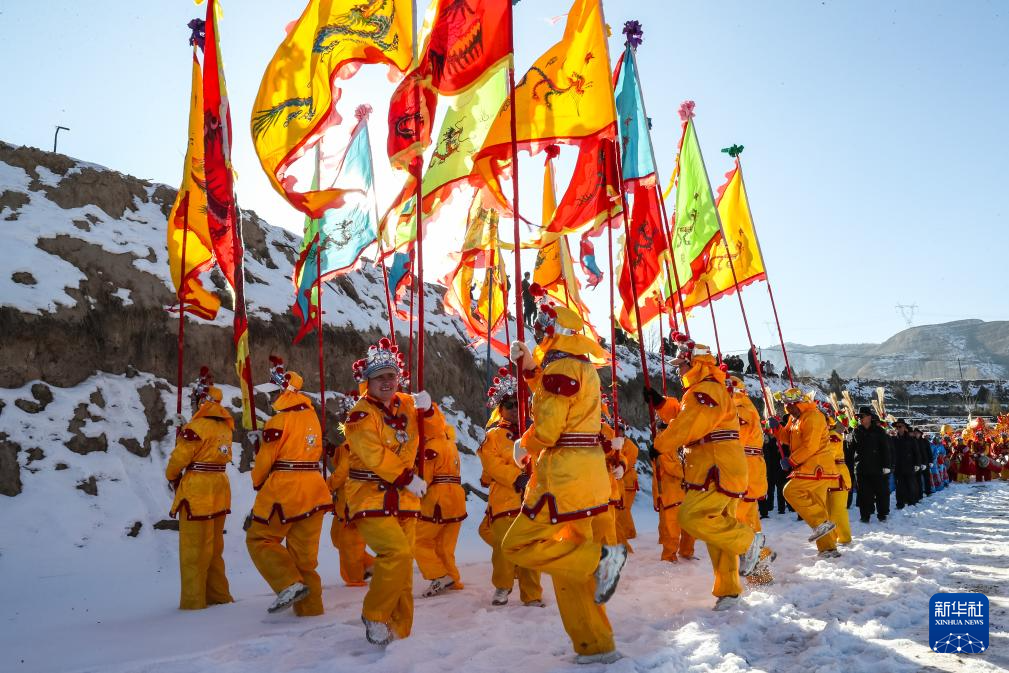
569, 552
608, 521
710, 516
625, 521
285, 553
672, 538
837, 511
201, 563
504, 572
354, 557
390, 595
436, 550
808, 497
746, 512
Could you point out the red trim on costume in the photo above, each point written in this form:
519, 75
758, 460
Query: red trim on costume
577, 439
551, 502
715, 436
278, 509
713, 475
438, 518
205, 517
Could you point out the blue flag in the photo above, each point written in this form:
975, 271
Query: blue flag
635, 141
341, 234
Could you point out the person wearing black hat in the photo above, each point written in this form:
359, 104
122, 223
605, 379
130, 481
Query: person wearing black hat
906, 465
924, 462
871, 450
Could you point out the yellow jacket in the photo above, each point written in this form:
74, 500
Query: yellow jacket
667, 485
445, 500
383, 450
286, 472
751, 436
613, 458
337, 482
810, 452
836, 441
197, 464
569, 472
500, 471
708, 429
630, 480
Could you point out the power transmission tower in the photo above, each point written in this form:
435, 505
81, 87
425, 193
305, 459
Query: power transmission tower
907, 312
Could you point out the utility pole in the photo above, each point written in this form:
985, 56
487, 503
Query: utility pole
56, 137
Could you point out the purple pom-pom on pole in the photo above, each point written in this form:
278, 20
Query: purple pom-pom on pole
199, 34
634, 33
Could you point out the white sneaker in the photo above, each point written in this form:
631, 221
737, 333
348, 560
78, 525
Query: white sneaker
535, 604
726, 603
288, 597
377, 633
829, 553
821, 530
602, 658
748, 561
608, 571
500, 597
438, 585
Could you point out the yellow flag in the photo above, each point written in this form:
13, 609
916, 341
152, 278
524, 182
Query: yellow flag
297, 97
566, 95
189, 215
734, 211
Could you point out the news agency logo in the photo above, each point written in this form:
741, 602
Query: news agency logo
958, 623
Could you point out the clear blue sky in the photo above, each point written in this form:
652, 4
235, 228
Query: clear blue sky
873, 131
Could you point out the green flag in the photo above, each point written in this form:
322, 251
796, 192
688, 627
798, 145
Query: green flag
696, 216
466, 124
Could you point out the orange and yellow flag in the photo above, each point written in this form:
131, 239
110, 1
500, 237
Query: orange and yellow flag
188, 218
298, 94
734, 211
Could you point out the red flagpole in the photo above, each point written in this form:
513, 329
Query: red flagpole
182, 310
714, 323
613, 322
767, 279
662, 354
388, 294
413, 300
322, 359
519, 314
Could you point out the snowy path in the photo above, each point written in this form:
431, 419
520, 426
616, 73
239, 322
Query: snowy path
867, 611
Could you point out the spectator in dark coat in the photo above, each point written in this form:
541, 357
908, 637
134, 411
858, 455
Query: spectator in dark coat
906, 465
924, 462
776, 478
870, 449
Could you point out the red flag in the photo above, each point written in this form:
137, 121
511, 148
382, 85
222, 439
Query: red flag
643, 252
592, 195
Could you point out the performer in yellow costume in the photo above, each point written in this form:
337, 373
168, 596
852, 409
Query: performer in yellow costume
813, 470
714, 472
383, 491
291, 499
667, 486
442, 509
837, 494
506, 482
355, 561
561, 530
196, 470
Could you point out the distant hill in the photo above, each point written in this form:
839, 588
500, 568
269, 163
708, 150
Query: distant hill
919, 353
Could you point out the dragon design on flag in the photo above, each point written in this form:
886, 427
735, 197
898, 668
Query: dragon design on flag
452, 140
460, 22
365, 23
288, 110
577, 83
720, 261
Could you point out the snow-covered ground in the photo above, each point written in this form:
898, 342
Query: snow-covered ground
110, 607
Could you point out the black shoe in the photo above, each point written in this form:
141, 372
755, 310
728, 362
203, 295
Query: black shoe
865, 519
763, 516
882, 517
781, 511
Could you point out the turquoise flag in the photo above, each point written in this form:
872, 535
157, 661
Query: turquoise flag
344, 232
635, 141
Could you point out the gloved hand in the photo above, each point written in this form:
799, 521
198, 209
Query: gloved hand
785, 465
617, 443
255, 439
417, 486
520, 482
653, 397
422, 400
653, 454
774, 423
618, 472
519, 352
177, 421
519, 453
886, 471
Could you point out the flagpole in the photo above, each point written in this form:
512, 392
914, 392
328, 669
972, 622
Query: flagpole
662, 209
519, 315
662, 353
413, 301
182, 311
767, 278
322, 359
732, 267
378, 242
613, 320
418, 169
714, 323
